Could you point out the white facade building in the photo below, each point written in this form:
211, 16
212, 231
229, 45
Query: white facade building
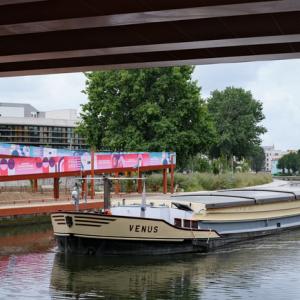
272, 157
272, 154
21, 123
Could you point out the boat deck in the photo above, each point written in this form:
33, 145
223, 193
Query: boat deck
239, 197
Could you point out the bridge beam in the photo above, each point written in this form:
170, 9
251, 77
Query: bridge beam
42, 37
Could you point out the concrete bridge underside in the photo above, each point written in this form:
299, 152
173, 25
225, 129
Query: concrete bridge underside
52, 36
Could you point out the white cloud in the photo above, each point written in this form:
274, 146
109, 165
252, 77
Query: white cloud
277, 86
275, 83
45, 92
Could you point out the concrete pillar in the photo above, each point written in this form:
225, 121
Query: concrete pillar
56, 187
165, 181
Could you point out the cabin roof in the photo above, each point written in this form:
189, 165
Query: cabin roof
239, 197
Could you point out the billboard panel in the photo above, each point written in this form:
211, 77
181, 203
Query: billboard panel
103, 161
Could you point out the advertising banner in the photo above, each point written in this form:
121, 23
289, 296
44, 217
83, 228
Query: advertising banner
32, 151
103, 161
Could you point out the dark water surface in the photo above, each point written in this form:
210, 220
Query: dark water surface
30, 268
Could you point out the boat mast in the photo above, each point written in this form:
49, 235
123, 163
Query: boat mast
143, 203
106, 193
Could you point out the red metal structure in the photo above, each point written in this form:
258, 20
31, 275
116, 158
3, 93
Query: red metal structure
13, 168
48, 208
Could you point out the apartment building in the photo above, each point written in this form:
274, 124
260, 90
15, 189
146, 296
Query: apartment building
21, 123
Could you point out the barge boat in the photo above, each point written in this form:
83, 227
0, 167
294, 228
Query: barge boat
193, 222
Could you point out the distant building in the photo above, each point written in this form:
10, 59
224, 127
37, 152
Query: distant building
275, 169
21, 123
272, 158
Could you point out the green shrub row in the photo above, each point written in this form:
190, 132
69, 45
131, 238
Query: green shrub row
207, 181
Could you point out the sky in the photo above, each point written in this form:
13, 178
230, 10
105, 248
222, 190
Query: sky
275, 83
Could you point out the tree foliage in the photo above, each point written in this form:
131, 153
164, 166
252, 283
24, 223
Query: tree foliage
257, 158
290, 163
282, 164
237, 116
156, 109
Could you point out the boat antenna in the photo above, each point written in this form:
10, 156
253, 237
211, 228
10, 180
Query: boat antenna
143, 204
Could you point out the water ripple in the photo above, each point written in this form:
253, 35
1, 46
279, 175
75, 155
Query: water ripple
262, 269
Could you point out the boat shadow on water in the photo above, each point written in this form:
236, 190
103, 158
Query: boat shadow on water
186, 276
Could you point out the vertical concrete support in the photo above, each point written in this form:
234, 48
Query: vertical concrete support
56, 187
35, 185
92, 174
165, 181
172, 175
140, 182
117, 184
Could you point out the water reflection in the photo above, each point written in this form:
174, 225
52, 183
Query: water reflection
26, 239
262, 269
123, 277
236, 272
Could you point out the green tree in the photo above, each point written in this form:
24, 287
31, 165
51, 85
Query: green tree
257, 158
237, 116
282, 164
198, 163
146, 110
292, 163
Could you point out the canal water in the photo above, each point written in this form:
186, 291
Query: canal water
31, 268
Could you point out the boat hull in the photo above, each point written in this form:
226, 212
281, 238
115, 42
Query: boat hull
232, 238
94, 234
87, 233
239, 230
92, 246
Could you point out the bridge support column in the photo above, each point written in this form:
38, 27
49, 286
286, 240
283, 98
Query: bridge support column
117, 184
165, 181
140, 182
35, 185
56, 187
129, 183
83, 187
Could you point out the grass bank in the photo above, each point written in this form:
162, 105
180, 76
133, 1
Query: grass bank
208, 182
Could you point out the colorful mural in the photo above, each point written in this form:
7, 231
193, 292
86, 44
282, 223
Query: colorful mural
24, 164
32, 151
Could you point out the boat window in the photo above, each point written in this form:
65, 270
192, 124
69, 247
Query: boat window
187, 223
195, 224
177, 222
